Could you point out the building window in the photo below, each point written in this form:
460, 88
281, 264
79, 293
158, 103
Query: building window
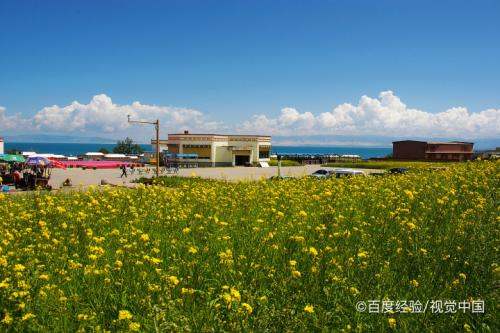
196, 146
264, 154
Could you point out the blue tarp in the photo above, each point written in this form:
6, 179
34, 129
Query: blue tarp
183, 155
302, 154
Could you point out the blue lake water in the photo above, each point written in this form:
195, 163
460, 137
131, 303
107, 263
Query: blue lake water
69, 149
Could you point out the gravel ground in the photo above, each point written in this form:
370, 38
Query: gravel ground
112, 176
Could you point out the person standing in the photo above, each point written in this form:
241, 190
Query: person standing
124, 171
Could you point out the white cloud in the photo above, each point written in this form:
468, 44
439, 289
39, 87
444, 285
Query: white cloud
13, 122
102, 115
289, 121
386, 115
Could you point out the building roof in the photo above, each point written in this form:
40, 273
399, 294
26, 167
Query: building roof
212, 134
409, 141
448, 152
450, 143
437, 142
28, 153
49, 155
115, 155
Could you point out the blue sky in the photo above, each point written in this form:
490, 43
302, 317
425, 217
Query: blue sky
235, 61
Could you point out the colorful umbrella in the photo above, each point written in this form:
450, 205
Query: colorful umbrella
37, 161
12, 158
56, 164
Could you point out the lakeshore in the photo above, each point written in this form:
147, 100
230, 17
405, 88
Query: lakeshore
74, 149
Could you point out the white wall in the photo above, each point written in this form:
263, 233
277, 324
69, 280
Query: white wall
1, 147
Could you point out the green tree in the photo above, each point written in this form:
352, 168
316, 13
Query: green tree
13, 151
103, 150
128, 147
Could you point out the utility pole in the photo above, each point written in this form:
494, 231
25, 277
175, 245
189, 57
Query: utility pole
157, 125
279, 166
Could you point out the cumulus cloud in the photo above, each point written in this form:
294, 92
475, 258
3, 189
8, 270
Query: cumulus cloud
13, 122
102, 115
385, 115
289, 121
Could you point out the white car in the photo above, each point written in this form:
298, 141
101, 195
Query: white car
339, 173
322, 173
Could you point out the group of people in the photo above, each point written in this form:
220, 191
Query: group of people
20, 176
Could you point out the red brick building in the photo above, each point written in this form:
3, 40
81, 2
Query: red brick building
432, 151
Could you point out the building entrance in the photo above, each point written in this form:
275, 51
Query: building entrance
241, 159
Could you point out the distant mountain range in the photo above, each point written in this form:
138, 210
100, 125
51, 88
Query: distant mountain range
47, 138
370, 141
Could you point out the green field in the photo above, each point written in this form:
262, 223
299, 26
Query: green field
390, 164
284, 163
294, 255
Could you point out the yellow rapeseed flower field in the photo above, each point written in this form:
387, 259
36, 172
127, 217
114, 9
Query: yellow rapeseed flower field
292, 255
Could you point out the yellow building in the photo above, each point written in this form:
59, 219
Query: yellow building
218, 149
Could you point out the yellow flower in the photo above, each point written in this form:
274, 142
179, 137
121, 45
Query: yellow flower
27, 316
392, 322
362, 254
172, 279
82, 317
145, 237
124, 315
313, 252
134, 327
247, 307
187, 291
235, 294
7, 319
192, 250
354, 291
409, 194
414, 283
462, 276
227, 297
296, 274
309, 308
19, 268
467, 328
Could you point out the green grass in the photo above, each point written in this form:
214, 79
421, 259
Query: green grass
389, 164
285, 163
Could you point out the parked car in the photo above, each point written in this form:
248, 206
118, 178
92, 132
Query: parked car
340, 173
279, 178
398, 170
322, 173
